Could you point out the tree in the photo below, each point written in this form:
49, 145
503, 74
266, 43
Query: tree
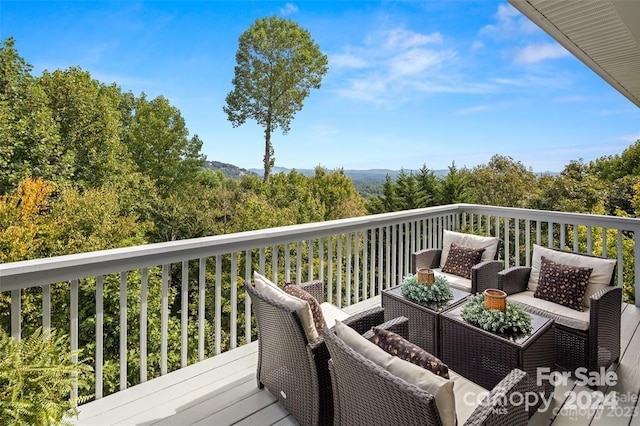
157, 138
407, 191
277, 63
337, 194
30, 145
456, 187
429, 186
88, 117
573, 190
503, 182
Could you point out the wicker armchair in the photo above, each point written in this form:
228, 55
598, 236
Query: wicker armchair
599, 345
367, 394
294, 370
483, 275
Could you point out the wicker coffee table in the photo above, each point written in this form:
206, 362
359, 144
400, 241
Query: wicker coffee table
485, 358
423, 317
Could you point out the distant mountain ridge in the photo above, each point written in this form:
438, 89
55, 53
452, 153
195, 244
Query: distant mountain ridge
229, 170
368, 175
365, 174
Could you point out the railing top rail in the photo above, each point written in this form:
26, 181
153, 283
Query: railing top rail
624, 223
31, 273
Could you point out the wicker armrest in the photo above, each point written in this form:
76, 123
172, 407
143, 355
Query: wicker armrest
484, 275
399, 325
497, 409
314, 288
514, 280
363, 321
605, 323
428, 258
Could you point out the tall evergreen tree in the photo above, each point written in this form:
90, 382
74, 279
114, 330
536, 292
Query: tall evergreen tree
456, 188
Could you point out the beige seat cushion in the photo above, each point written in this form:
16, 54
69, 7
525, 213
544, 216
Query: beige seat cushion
560, 314
489, 244
439, 387
600, 276
301, 307
454, 280
332, 313
468, 396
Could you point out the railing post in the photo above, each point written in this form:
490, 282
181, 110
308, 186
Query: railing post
636, 263
99, 335
16, 314
144, 282
123, 330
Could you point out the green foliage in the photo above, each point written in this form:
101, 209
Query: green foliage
574, 190
277, 64
456, 187
439, 291
515, 322
613, 167
37, 374
503, 182
30, 144
88, 121
336, 194
159, 143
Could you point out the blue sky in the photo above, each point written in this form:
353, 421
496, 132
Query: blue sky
409, 83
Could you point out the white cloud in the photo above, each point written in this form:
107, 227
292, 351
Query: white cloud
415, 61
477, 45
347, 60
289, 9
506, 12
474, 110
367, 89
572, 99
392, 66
534, 53
404, 39
629, 138
509, 23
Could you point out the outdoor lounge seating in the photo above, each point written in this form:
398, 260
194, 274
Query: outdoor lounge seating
367, 393
290, 365
483, 273
588, 336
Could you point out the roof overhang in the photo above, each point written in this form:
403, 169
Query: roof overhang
604, 34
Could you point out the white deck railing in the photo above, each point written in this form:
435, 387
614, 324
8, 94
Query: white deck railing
356, 258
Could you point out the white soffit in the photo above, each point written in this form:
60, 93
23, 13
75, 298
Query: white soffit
604, 34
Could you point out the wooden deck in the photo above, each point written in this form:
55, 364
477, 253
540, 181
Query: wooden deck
222, 391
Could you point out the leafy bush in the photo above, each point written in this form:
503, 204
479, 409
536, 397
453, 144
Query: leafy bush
37, 375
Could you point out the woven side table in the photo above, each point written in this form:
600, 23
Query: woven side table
423, 317
485, 358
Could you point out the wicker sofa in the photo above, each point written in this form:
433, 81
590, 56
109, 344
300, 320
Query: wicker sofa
590, 338
366, 393
483, 274
291, 367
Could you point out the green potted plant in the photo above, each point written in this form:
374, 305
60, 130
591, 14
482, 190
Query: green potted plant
514, 321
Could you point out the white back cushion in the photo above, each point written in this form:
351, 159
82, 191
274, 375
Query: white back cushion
489, 244
331, 313
600, 276
301, 307
439, 387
